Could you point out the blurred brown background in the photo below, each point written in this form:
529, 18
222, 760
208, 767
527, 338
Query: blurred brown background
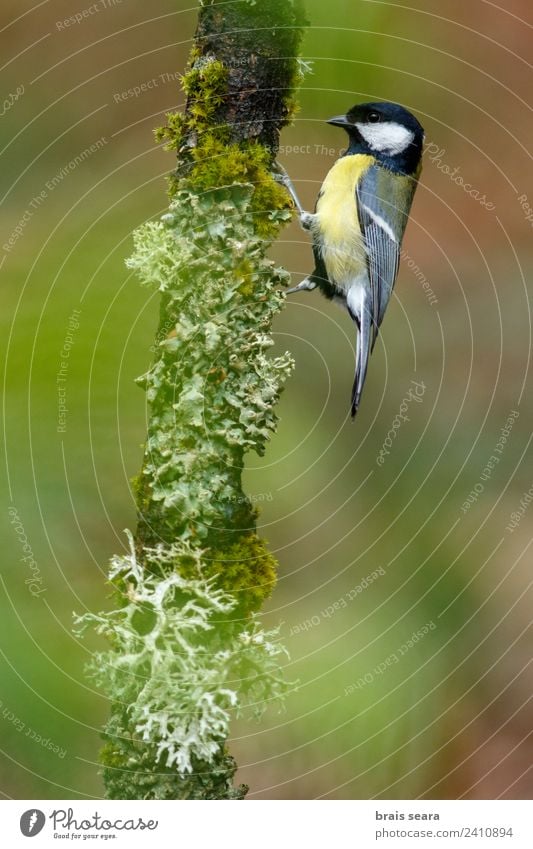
377, 713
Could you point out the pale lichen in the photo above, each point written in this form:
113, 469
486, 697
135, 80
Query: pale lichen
168, 662
187, 650
212, 387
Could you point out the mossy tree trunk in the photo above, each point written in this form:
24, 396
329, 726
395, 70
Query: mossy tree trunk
187, 648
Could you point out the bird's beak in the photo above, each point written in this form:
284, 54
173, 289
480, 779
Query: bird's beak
339, 121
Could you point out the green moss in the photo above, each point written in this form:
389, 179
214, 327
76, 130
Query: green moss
205, 85
248, 570
173, 131
209, 159
217, 164
140, 492
245, 569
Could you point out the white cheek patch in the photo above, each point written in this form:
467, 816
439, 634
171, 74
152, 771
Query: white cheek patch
386, 137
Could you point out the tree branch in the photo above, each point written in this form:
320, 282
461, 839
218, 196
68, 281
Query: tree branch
187, 648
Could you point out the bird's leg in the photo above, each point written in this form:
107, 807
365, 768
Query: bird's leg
307, 285
306, 220
279, 174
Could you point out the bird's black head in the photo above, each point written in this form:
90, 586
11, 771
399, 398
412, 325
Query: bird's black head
384, 130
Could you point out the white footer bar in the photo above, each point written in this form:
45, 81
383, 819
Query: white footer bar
269, 824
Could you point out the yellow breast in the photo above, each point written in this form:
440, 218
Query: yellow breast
336, 227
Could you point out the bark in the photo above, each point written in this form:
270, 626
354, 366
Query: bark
259, 44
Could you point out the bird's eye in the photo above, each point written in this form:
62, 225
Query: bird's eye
374, 117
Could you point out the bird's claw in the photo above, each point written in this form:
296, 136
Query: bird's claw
280, 175
306, 285
278, 172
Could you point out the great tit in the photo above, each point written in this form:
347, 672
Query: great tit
360, 218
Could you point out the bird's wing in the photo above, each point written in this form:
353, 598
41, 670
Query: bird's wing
383, 203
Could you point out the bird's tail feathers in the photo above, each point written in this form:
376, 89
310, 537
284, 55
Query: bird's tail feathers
362, 353
376, 311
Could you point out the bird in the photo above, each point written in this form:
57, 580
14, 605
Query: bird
360, 218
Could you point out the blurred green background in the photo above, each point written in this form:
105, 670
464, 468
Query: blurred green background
446, 715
